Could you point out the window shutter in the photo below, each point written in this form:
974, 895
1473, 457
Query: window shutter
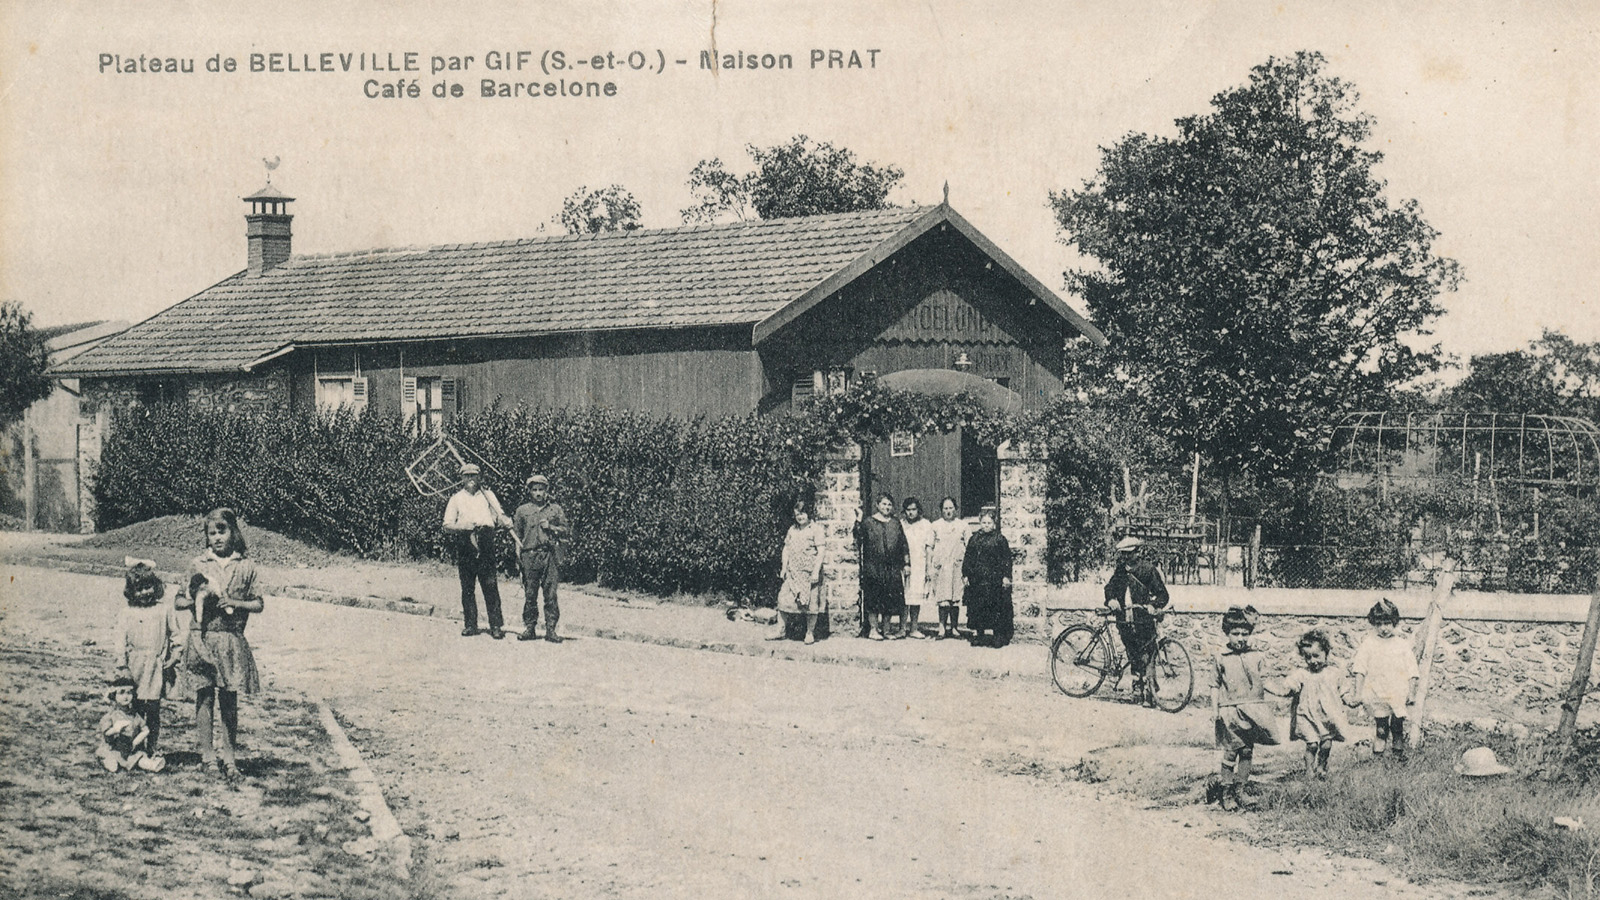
358, 393
449, 397
408, 398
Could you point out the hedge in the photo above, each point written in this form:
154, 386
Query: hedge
658, 505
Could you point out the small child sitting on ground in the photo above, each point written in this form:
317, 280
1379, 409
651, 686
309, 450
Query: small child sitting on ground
1385, 666
1317, 713
122, 734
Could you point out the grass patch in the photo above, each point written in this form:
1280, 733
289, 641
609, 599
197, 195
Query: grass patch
1424, 817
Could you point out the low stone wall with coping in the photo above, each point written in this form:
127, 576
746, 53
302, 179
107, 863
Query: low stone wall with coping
1492, 647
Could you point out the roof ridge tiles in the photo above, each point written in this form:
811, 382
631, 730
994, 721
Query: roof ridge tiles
634, 235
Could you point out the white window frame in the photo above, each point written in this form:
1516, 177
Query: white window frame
356, 398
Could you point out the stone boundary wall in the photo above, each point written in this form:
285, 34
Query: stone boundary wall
1492, 647
838, 497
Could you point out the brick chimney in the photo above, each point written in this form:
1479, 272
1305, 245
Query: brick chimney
267, 229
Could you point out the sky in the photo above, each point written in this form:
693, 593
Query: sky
120, 192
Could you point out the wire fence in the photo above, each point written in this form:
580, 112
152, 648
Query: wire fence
1488, 566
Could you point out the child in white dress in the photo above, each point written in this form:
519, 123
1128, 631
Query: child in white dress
1385, 666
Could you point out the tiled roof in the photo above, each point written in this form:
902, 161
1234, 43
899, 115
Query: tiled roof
662, 278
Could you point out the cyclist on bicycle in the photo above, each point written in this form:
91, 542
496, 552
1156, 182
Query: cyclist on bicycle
1134, 593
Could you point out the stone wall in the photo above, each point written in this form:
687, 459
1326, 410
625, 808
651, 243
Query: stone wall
1024, 478
1524, 660
100, 396
838, 498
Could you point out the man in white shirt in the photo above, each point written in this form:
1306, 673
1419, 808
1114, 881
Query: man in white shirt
470, 520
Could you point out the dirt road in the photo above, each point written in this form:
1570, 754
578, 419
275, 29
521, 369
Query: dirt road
605, 768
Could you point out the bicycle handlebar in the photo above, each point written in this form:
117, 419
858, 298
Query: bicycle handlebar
1108, 612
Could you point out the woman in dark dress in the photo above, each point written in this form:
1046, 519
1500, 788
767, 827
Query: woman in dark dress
884, 563
986, 572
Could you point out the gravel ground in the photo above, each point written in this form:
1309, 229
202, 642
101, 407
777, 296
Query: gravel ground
602, 768
68, 828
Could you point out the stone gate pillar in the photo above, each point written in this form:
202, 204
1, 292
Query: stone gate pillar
838, 497
1023, 479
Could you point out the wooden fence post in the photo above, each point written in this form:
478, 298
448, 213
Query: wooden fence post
1255, 556
1443, 588
1568, 729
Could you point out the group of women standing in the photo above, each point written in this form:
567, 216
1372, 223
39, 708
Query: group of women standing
907, 564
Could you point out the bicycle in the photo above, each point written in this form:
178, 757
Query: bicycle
1083, 656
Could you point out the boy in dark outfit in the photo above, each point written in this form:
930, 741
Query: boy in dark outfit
539, 526
1135, 591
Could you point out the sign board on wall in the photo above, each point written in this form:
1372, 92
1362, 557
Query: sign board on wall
945, 316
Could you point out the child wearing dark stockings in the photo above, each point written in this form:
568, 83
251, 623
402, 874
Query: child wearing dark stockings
218, 664
1239, 707
1385, 666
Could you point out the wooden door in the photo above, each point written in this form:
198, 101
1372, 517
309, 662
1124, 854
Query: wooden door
928, 468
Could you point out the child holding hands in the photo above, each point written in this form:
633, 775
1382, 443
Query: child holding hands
1385, 666
1240, 707
217, 661
1317, 712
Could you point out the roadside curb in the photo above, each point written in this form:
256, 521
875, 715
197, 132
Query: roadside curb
381, 820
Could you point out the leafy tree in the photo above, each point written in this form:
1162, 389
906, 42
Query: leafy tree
603, 209
1254, 280
1555, 374
800, 177
23, 359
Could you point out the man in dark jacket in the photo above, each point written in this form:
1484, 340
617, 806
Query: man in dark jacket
1135, 591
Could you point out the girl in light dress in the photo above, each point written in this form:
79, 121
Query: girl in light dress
1317, 711
919, 544
944, 566
217, 662
1387, 674
147, 652
801, 591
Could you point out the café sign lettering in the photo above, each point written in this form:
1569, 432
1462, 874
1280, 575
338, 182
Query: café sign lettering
944, 316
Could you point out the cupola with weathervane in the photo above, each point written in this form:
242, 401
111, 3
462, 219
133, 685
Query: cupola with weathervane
267, 226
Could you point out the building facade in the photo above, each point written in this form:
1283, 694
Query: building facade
710, 320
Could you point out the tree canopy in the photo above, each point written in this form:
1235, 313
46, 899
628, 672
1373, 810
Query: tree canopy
799, 177
1253, 278
603, 209
23, 359
1554, 375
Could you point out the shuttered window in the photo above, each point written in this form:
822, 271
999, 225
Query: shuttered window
429, 401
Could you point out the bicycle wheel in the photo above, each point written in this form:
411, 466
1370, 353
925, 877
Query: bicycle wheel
1171, 676
1079, 660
